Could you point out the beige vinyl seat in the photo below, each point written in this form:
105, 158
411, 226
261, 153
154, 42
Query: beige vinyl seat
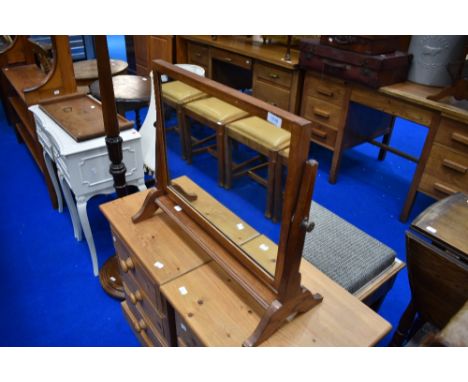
176, 94
266, 139
215, 114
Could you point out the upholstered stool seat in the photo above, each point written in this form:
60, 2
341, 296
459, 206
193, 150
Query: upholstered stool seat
346, 254
213, 113
176, 94
266, 139
180, 93
215, 110
261, 132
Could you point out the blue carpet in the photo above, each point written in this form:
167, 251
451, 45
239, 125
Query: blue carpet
49, 295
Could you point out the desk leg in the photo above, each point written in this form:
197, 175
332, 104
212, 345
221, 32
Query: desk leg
81, 206
53, 178
71, 207
420, 168
340, 139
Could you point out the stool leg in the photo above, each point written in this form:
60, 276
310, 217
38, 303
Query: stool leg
278, 190
272, 163
181, 127
227, 162
185, 135
220, 154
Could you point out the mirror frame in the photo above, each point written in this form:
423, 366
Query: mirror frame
282, 294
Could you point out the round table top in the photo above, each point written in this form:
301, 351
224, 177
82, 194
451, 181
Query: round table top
127, 88
87, 70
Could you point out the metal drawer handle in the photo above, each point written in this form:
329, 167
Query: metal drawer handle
455, 166
444, 189
322, 113
198, 54
460, 138
325, 92
127, 264
228, 59
319, 133
273, 75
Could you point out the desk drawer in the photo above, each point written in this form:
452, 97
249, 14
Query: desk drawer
231, 58
322, 112
323, 135
198, 54
129, 265
453, 134
185, 336
327, 90
446, 170
137, 298
272, 94
273, 74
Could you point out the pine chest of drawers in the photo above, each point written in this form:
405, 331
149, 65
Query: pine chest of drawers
146, 263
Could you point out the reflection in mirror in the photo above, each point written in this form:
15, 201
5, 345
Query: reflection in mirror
198, 150
5, 42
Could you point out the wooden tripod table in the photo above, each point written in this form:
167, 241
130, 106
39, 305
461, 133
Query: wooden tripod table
87, 72
131, 93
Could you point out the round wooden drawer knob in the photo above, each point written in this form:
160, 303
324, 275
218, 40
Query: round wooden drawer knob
135, 297
142, 324
126, 264
123, 266
129, 263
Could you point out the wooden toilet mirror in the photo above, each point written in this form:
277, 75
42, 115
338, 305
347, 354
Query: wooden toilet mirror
281, 293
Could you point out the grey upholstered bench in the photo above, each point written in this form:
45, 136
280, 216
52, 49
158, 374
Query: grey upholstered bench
358, 262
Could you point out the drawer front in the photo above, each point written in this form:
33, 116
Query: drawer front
198, 54
184, 334
322, 112
136, 297
435, 187
147, 323
129, 265
323, 135
273, 74
136, 327
448, 167
143, 324
231, 58
272, 94
453, 134
325, 90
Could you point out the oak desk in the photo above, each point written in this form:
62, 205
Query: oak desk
442, 168
258, 66
164, 261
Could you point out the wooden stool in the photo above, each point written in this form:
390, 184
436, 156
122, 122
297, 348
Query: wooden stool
175, 94
215, 114
263, 137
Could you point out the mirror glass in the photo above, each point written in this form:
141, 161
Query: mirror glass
197, 135
5, 42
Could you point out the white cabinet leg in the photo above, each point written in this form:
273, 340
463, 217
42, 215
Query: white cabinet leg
53, 178
81, 206
71, 208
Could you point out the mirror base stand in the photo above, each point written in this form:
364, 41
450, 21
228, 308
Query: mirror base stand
149, 206
278, 313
